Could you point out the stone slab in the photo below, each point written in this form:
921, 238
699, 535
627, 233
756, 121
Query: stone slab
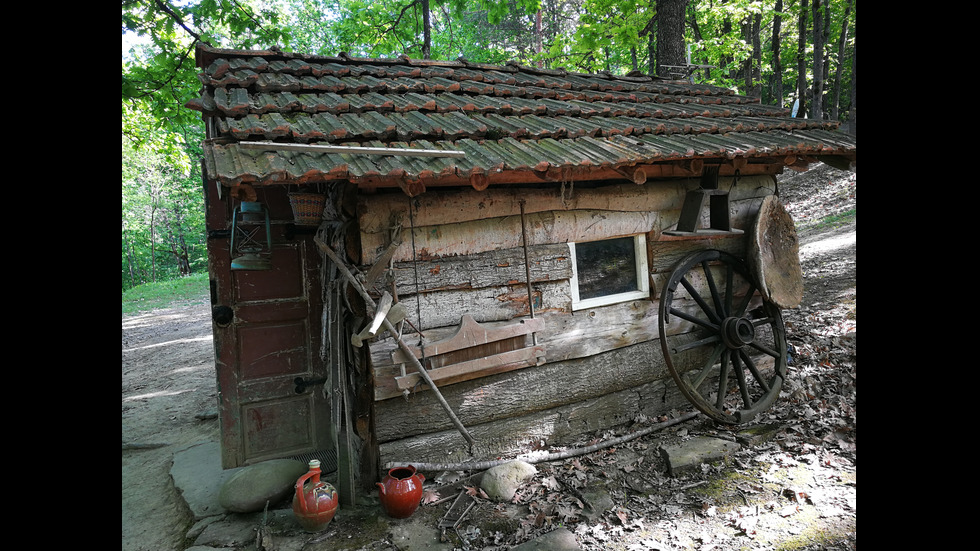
557, 540
410, 535
197, 474
688, 455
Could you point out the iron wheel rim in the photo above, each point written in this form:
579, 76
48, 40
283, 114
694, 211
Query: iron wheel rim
718, 336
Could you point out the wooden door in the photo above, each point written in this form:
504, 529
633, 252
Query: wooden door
267, 333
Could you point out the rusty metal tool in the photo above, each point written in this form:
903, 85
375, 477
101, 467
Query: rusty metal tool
456, 513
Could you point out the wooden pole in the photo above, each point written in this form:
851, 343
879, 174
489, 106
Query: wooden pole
361, 150
543, 458
401, 343
527, 269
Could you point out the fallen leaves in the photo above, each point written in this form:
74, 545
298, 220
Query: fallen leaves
476, 491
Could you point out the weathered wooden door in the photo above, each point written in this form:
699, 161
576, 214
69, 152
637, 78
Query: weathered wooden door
267, 335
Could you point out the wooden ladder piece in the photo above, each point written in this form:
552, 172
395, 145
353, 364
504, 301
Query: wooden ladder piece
475, 351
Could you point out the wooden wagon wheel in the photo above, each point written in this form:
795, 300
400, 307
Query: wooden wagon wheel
725, 347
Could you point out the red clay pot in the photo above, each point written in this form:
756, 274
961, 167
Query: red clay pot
401, 491
315, 502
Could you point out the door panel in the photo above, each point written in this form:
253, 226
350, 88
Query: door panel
272, 338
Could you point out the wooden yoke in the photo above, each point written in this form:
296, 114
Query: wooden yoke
474, 351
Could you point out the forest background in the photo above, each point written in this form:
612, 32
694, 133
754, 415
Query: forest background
798, 54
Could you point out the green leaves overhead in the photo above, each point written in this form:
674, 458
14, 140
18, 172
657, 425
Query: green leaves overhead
734, 39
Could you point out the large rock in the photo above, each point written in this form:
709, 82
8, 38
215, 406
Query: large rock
248, 490
501, 482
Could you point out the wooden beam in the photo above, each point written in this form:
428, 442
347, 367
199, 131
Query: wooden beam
357, 150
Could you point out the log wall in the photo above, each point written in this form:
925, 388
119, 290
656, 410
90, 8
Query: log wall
603, 365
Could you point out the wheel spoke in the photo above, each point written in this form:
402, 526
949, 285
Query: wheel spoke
693, 319
764, 346
677, 349
697, 298
708, 365
742, 384
765, 349
729, 289
713, 288
744, 304
754, 370
723, 380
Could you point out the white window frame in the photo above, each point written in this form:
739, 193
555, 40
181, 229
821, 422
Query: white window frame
642, 278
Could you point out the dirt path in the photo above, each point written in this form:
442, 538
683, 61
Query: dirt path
798, 487
168, 380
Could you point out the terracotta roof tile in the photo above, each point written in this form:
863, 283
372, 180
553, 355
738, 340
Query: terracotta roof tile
504, 118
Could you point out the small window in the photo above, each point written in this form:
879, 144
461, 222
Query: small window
609, 271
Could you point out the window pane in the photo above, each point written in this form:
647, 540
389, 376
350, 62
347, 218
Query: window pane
606, 267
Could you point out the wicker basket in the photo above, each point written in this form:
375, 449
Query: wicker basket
307, 208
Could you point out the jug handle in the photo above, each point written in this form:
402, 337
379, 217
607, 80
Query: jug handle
299, 489
382, 486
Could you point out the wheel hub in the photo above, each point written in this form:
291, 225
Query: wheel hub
737, 332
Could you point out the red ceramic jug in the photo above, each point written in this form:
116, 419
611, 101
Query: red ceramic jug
401, 491
315, 502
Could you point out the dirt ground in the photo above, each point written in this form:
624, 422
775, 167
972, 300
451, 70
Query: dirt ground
795, 489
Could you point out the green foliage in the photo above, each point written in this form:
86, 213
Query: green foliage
162, 200
192, 289
163, 234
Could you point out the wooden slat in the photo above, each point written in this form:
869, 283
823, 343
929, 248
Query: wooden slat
480, 367
470, 334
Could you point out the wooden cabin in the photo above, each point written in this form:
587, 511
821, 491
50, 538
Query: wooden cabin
515, 252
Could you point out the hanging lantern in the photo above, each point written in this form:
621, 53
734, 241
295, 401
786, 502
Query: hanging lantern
248, 252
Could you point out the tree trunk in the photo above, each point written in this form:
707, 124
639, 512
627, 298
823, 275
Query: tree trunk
801, 61
651, 54
841, 46
747, 63
853, 116
153, 254
757, 54
698, 37
670, 34
537, 38
777, 62
426, 31
752, 64
818, 64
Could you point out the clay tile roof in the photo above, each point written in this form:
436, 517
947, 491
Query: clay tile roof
502, 118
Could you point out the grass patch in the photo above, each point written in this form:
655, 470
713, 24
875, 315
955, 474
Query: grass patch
832, 221
192, 289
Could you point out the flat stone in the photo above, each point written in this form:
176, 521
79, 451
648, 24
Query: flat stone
410, 535
249, 489
690, 454
200, 525
231, 532
754, 436
198, 475
560, 539
597, 501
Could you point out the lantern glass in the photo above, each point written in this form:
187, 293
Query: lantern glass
248, 251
